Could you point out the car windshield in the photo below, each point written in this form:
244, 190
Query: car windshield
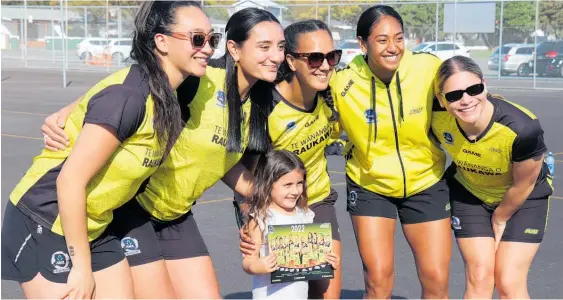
505, 50
420, 47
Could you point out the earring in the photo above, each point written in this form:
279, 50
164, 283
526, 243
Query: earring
236, 64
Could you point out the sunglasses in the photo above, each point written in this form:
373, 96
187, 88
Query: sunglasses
473, 90
198, 39
316, 59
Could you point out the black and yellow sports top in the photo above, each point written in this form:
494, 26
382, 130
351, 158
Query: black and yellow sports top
122, 101
393, 153
199, 158
484, 166
306, 133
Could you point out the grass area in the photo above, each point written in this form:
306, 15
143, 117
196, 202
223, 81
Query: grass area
480, 53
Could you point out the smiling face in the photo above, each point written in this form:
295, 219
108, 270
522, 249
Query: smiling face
181, 53
287, 190
469, 109
262, 53
385, 45
315, 78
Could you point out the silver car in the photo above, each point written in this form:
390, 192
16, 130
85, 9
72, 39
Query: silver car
514, 58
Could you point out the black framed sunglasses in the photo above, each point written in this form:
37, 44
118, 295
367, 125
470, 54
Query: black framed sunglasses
198, 39
473, 90
316, 59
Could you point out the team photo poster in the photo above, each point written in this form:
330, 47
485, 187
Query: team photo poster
301, 251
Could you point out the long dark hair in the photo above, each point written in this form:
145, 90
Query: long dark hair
156, 17
238, 30
285, 73
270, 169
371, 16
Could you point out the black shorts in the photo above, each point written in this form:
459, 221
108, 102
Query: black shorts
325, 213
145, 240
472, 218
429, 205
29, 248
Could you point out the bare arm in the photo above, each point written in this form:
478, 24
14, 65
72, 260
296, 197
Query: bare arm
250, 161
239, 179
254, 264
525, 174
94, 147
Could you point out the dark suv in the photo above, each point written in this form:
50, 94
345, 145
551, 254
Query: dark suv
550, 58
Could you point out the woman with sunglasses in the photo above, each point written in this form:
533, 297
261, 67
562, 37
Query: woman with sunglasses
57, 239
501, 187
303, 121
385, 103
224, 118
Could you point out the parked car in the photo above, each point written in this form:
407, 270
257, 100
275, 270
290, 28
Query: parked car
549, 58
90, 47
119, 50
512, 58
443, 50
350, 48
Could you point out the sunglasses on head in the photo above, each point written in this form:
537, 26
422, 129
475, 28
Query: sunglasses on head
316, 59
198, 39
473, 90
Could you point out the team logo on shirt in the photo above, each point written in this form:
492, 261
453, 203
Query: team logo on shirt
448, 137
371, 116
352, 197
416, 111
309, 123
60, 261
130, 246
456, 223
221, 99
290, 125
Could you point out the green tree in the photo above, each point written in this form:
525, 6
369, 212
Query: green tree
551, 18
420, 20
220, 13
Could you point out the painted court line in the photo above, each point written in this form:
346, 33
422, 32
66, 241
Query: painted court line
24, 113
21, 136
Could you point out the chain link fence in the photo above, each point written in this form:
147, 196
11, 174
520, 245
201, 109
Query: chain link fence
74, 36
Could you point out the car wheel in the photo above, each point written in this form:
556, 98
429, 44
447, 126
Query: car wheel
117, 58
523, 70
86, 56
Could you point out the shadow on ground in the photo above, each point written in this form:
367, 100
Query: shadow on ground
346, 294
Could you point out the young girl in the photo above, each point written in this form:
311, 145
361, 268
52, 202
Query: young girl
279, 198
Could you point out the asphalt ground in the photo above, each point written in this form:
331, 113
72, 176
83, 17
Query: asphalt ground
29, 95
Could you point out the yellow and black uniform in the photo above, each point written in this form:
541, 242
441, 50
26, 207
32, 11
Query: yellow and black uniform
32, 225
163, 223
483, 171
307, 133
394, 163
